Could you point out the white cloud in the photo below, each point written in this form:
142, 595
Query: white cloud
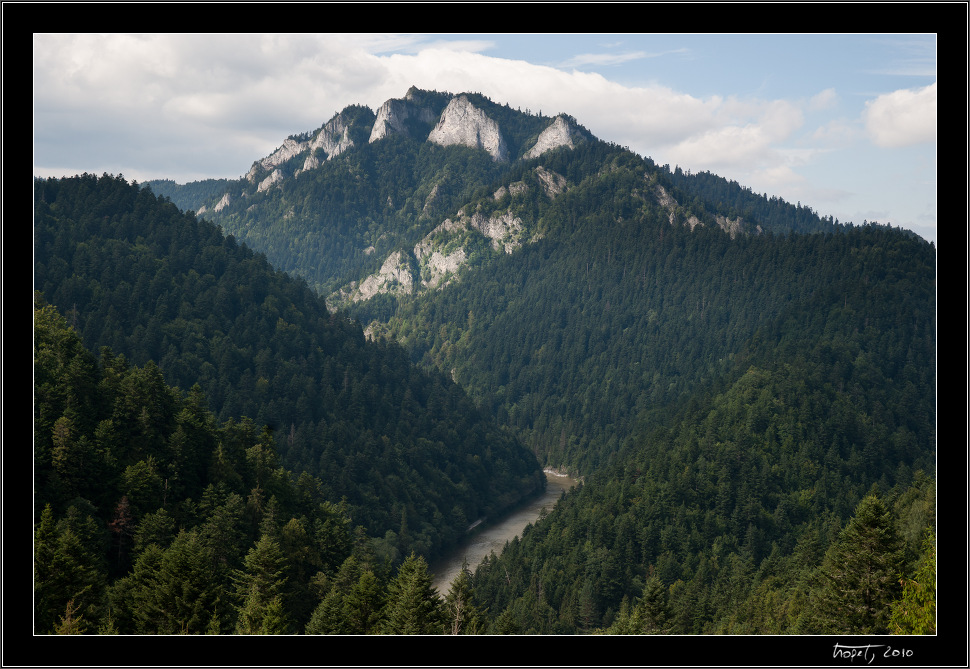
902, 118
824, 100
603, 59
752, 147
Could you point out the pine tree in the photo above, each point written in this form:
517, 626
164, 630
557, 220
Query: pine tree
362, 606
258, 589
180, 594
650, 615
69, 624
328, 617
860, 573
413, 605
462, 615
64, 571
915, 611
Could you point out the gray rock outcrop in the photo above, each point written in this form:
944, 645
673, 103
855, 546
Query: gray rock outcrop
559, 133
332, 139
394, 277
268, 182
463, 123
392, 115
223, 203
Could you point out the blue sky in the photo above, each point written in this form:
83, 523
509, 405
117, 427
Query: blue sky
844, 124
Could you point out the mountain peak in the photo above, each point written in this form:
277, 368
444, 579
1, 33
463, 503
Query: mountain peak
463, 123
561, 132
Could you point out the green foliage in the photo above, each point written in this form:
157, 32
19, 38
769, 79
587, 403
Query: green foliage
461, 612
732, 497
915, 611
170, 294
153, 560
259, 587
413, 605
859, 577
68, 580
189, 196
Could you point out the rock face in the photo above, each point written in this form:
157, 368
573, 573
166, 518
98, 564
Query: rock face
393, 114
436, 266
505, 230
552, 183
223, 203
290, 148
268, 182
332, 139
460, 122
463, 123
559, 133
394, 277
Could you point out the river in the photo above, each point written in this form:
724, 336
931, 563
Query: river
494, 535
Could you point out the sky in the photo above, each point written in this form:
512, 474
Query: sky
842, 123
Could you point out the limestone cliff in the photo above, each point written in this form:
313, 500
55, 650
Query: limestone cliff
395, 277
268, 182
559, 133
331, 140
393, 116
291, 147
463, 123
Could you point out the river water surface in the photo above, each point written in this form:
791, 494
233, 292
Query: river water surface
493, 537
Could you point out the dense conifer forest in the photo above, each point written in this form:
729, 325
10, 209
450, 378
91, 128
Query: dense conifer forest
746, 389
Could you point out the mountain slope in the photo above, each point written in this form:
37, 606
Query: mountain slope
415, 459
726, 507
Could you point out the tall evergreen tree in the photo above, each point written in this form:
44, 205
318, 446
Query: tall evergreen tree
363, 605
259, 588
182, 595
67, 582
650, 615
859, 577
413, 605
462, 615
915, 611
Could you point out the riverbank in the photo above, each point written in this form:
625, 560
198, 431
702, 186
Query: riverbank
493, 536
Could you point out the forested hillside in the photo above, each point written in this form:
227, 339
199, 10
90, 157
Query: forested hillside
719, 518
413, 457
155, 518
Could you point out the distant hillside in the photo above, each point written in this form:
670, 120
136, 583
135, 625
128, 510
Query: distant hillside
190, 196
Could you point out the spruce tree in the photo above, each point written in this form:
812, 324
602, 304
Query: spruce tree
859, 577
413, 605
651, 615
915, 611
462, 615
258, 589
362, 606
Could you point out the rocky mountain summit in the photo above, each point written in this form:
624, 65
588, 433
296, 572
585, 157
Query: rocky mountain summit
439, 118
407, 116
323, 144
407, 199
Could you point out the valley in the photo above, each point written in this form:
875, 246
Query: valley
309, 382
